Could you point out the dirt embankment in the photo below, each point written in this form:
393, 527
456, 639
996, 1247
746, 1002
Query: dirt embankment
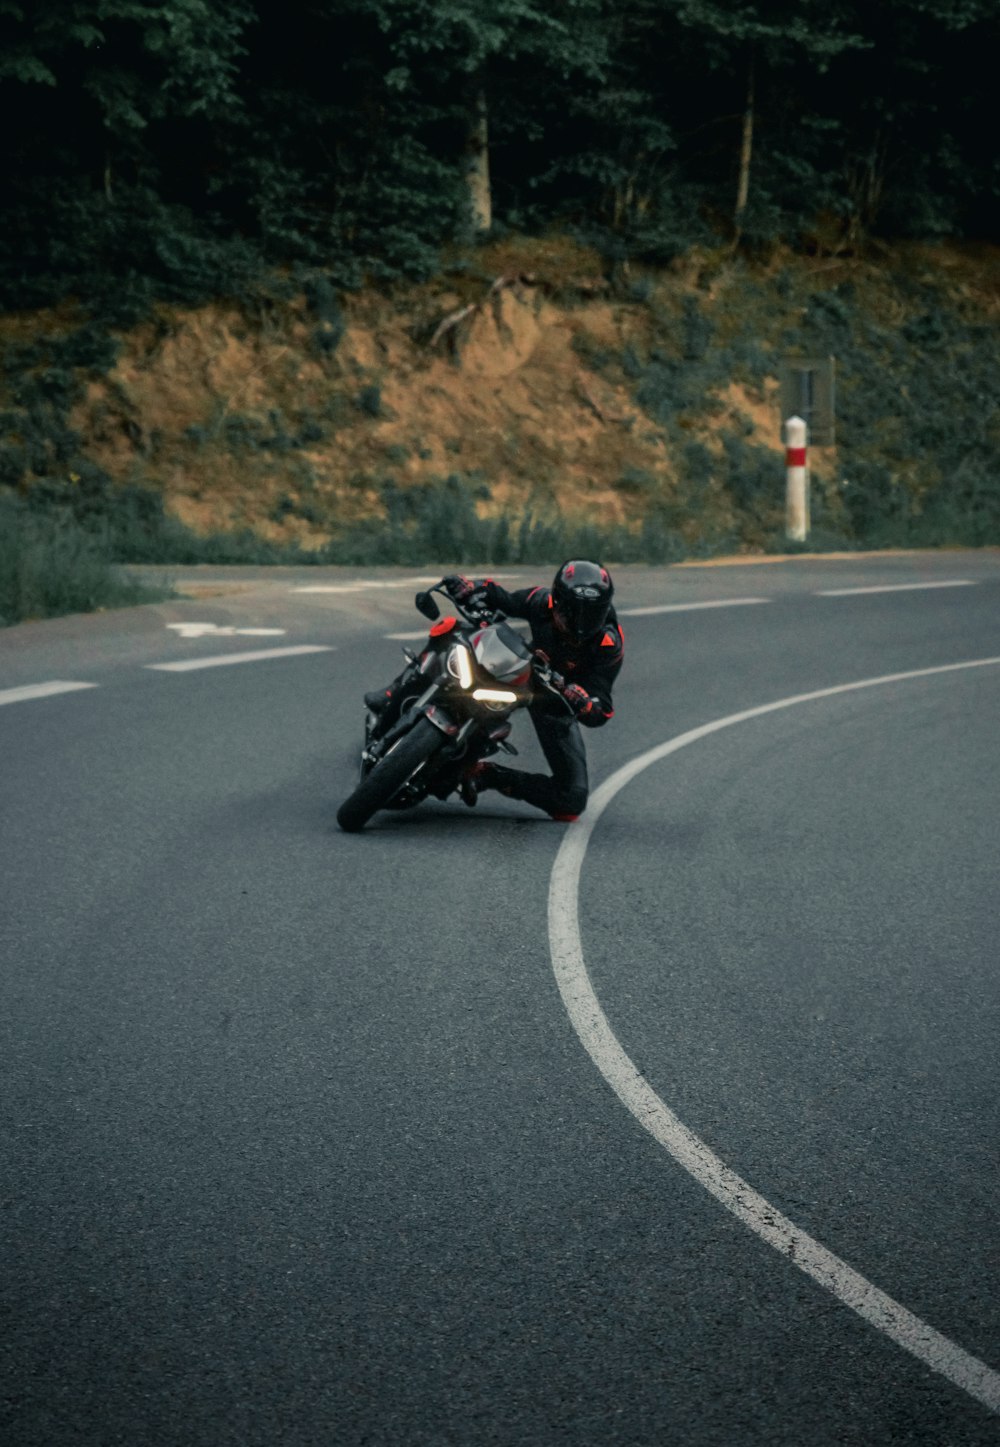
544, 388
292, 424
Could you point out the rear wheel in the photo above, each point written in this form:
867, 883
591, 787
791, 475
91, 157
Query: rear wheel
389, 775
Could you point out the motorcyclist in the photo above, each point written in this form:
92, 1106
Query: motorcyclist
574, 625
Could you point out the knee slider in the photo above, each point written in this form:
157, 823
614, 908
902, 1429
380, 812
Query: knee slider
572, 801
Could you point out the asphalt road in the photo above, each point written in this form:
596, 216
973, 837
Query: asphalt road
301, 1144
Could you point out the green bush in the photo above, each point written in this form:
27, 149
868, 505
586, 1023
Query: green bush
50, 565
439, 523
369, 401
918, 414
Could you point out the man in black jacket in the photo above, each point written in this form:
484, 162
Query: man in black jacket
574, 624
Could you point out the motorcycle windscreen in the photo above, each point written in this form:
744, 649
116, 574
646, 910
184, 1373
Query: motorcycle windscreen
502, 653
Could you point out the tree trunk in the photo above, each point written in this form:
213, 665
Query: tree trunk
478, 173
746, 154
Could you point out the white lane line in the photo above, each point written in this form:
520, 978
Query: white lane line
421, 634
187, 665
599, 1040
895, 588
358, 585
215, 630
689, 607
39, 690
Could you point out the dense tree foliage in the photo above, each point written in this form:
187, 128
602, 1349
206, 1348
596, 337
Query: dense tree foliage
184, 144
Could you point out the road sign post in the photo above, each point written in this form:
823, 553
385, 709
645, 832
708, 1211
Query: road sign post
796, 481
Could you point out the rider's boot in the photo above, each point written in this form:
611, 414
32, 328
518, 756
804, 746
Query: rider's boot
384, 703
534, 789
379, 699
472, 782
492, 776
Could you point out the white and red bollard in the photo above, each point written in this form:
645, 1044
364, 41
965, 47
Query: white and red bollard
796, 481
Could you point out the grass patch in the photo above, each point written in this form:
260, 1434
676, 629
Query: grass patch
50, 566
89, 525
441, 522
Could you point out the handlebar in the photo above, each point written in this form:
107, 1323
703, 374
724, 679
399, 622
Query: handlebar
471, 615
542, 669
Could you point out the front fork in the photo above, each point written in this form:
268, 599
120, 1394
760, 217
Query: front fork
457, 734
376, 749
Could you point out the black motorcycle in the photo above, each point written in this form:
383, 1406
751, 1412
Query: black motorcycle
474, 674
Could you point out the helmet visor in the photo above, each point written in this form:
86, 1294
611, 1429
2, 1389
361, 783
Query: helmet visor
582, 611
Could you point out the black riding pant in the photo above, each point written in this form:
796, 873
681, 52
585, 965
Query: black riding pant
565, 791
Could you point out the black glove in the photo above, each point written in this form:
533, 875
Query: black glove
460, 589
578, 699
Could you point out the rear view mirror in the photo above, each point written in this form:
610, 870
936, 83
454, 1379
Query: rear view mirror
427, 605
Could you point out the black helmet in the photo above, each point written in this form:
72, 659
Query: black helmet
581, 598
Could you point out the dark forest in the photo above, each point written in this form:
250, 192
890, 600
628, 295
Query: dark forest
183, 145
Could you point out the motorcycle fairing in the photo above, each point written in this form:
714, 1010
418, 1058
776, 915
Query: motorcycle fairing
502, 653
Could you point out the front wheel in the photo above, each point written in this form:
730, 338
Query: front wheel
389, 775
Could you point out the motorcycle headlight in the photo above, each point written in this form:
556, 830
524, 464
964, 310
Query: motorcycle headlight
460, 665
494, 695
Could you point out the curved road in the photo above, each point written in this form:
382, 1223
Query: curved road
301, 1144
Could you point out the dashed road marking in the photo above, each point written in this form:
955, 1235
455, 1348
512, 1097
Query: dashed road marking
895, 588
638, 1096
632, 612
358, 585
258, 655
40, 690
656, 608
216, 630
689, 607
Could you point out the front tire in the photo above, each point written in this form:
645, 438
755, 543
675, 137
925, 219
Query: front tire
390, 774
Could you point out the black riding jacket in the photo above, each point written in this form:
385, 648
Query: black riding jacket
593, 664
